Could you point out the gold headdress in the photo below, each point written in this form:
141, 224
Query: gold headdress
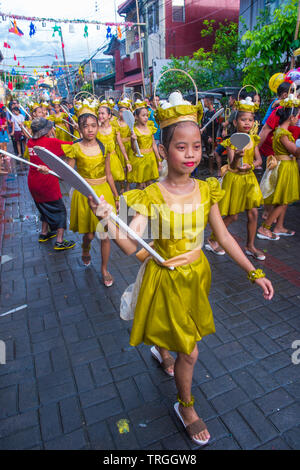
247, 104
86, 107
291, 101
138, 104
45, 104
177, 109
56, 101
107, 103
124, 103
33, 106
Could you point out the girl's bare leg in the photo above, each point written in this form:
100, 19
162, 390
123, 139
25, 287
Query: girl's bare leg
183, 372
252, 216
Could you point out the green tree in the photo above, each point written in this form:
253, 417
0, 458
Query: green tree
270, 45
222, 66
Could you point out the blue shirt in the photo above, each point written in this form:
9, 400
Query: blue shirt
269, 112
152, 118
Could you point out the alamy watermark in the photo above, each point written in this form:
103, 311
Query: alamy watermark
2, 352
296, 354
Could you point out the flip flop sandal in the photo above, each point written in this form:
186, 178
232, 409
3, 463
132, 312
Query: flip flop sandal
210, 248
288, 233
255, 256
165, 363
194, 428
108, 280
265, 237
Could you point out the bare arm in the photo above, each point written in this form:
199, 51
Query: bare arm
110, 179
257, 158
264, 134
123, 150
234, 251
71, 162
158, 159
122, 239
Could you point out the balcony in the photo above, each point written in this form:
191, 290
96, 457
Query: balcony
131, 65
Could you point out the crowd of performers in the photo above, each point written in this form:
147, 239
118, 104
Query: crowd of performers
100, 145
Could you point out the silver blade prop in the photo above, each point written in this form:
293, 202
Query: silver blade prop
26, 162
20, 124
240, 140
58, 127
129, 119
217, 114
74, 179
66, 111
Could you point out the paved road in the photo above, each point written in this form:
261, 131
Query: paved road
70, 375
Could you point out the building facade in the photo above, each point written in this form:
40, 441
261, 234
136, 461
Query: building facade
172, 28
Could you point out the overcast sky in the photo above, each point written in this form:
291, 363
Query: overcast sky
42, 47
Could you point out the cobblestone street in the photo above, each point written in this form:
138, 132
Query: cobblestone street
71, 376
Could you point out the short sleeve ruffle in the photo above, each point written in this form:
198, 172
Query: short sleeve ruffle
280, 132
69, 151
215, 190
226, 143
152, 127
139, 200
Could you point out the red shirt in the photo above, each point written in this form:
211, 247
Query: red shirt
44, 188
273, 121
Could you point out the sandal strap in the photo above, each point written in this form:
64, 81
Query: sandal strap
196, 427
168, 362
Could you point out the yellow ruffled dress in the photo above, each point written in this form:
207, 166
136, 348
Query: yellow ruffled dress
125, 134
172, 309
82, 219
109, 142
144, 168
287, 188
58, 121
242, 191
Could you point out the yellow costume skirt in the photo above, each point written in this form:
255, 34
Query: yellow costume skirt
116, 167
61, 134
143, 168
82, 219
172, 309
287, 188
242, 192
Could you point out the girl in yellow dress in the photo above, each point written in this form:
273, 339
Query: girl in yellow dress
172, 309
123, 130
145, 169
107, 134
59, 119
94, 166
242, 191
281, 182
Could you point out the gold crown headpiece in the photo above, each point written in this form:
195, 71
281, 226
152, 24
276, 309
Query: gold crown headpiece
33, 106
138, 104
176, 109
291, 101
107, 103
45, 104
124, 103
56, 101
247, 104
86, 107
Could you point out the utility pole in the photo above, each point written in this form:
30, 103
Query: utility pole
65, 62
146, 51
140, 44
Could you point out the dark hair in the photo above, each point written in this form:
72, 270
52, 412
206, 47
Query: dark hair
84, 117
152, 97
234, 96
244, 94
283, 88
138, 111
167, 133
285, 113
107, 108
209, 98
3, 114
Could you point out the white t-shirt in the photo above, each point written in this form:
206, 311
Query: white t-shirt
18, 119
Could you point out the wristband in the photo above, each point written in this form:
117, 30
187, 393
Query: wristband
256, 274
116, 198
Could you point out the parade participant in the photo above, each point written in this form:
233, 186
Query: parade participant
45, 188
17, 120
154, 103
172, 309
5, 165
107, 134
145, 169
36, 111
45, 108
93, 164
210, 133
242, 191
124, 133
59, 118
283, 185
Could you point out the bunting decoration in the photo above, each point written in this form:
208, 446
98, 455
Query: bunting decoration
108, 32
56, 29
32, 30
15, 30
15, 58
6, 45
119, 32
86, 33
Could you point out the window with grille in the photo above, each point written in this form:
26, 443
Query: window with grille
178, 11
153, 17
